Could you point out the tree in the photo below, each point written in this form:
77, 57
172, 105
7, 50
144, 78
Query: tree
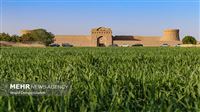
39, 35
15, 38
189, 40
27, 38
5, 37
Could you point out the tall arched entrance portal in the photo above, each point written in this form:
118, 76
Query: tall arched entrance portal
101, 41
101, 37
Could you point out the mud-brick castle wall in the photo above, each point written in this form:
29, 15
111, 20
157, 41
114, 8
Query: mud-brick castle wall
75, 40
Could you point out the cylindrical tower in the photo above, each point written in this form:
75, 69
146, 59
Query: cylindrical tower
171, 35
23, 32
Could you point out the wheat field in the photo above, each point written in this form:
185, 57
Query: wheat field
105, 79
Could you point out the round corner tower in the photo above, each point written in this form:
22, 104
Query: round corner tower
23, 32
171, 35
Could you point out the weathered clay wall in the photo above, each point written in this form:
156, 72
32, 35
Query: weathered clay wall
77, 40
145, 40
84, 40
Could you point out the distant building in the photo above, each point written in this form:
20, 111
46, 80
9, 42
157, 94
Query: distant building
103, 37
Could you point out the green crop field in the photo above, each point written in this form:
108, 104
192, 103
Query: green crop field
105, 79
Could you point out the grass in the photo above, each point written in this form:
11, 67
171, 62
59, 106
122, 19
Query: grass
105, 79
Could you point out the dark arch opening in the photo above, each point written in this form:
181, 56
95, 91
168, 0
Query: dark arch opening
100, 42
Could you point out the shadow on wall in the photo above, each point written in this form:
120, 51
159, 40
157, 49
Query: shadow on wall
125, 38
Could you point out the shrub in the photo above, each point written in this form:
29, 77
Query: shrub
189, 40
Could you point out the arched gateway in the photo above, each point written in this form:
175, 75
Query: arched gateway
101, 37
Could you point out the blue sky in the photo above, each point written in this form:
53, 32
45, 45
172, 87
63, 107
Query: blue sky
127, 17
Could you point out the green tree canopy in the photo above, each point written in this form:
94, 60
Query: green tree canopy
189, 40
14, 38
39, 35
7, 37
4, 37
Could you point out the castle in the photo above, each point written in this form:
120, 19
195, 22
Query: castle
103, 37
